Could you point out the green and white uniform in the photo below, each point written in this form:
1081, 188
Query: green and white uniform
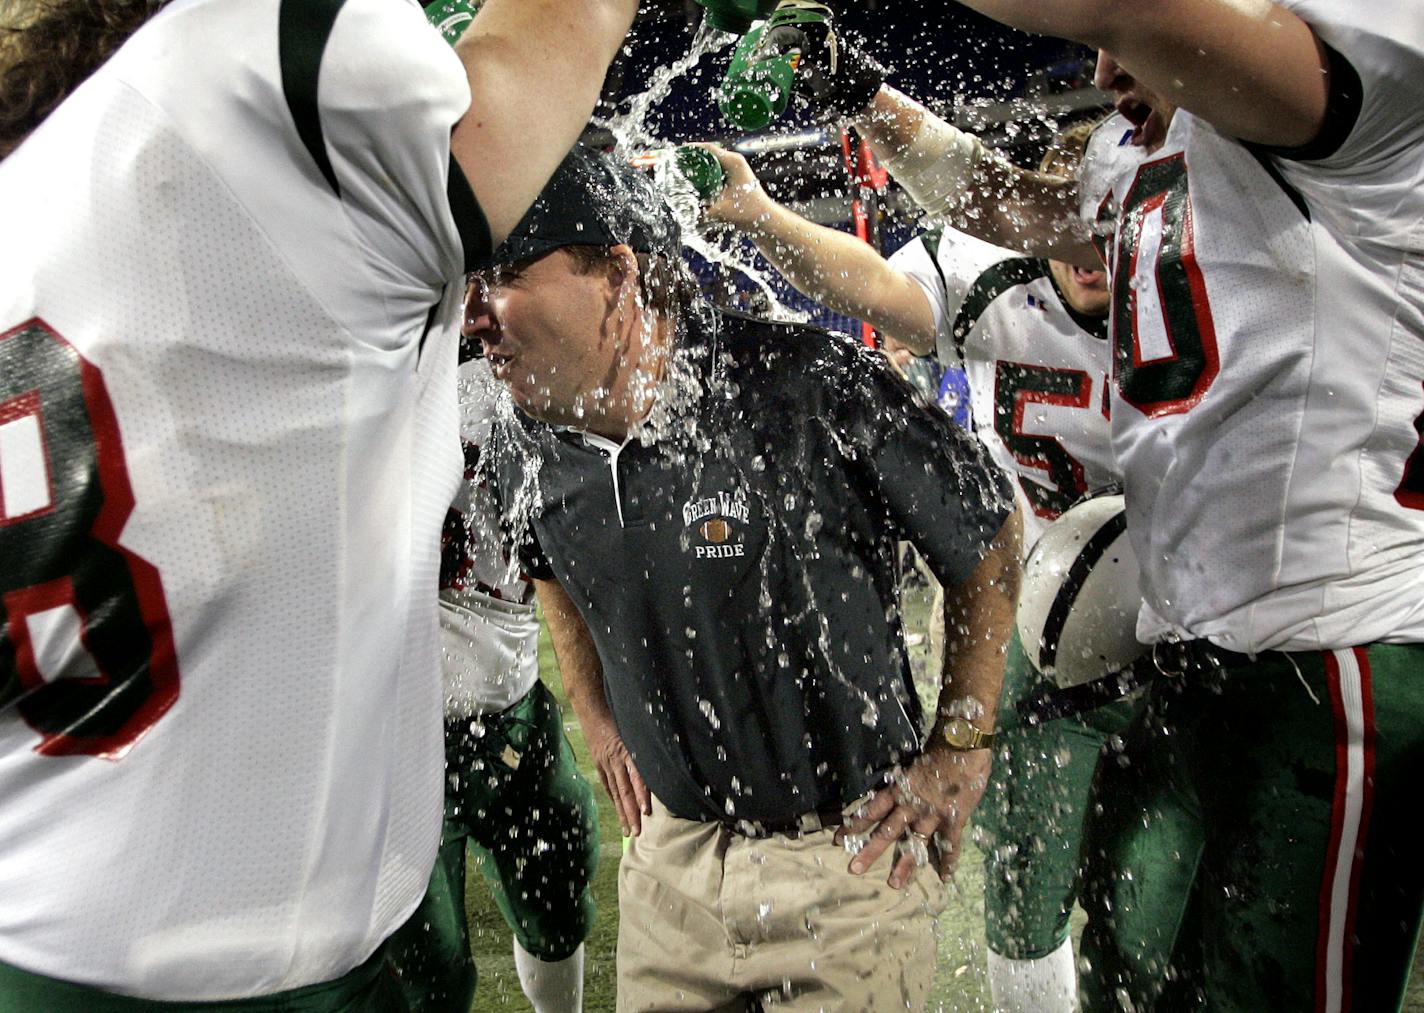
1268, 323
1037, 369
1038, 380
513, 793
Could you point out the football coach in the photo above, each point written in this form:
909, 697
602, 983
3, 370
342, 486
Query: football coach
710, 506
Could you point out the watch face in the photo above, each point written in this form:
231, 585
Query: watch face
961, 734
958, 732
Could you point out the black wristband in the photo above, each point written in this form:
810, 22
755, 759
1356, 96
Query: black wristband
858, 77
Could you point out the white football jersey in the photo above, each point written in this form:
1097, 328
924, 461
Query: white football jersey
489, 629
1037, 369
1269, 363
1108, 156
228, 439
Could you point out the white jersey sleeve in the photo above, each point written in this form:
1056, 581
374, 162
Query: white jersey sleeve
918, 259
380, 105
1109, 155
946, 264
368, 115
1355, 173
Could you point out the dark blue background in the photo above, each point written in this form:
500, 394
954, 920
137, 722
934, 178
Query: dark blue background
940, 53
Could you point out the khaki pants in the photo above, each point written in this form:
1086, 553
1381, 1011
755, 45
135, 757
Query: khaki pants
709, 920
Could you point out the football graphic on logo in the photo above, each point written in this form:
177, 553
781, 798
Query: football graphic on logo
716, 531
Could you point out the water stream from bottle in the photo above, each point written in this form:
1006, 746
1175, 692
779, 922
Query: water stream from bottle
632, 138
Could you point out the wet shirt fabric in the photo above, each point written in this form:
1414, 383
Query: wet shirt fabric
735, 561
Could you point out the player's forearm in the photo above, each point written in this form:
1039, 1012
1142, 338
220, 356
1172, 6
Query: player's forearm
1084, 21
941, 167
1031, 212
838, 270
952, 176
978, 621
891, 123
579, 666
535, 69
1252, 68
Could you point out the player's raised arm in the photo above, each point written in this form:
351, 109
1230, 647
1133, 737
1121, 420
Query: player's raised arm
535, 70
824, 264
949, 173
1252, 68
952, 175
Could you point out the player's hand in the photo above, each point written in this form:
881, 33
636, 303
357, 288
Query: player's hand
834, 75
631, 798
742, 199
926, 807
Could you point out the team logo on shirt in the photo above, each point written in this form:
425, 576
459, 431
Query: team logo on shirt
720, 514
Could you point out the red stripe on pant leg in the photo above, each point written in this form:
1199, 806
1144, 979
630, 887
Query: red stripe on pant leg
1337, 823
1367, 800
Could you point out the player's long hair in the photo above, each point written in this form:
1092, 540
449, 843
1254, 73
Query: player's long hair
48, 48
1066, 149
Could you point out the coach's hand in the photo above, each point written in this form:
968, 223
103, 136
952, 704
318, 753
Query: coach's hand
631, 798
927, 806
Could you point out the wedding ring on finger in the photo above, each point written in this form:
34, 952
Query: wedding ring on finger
918, 845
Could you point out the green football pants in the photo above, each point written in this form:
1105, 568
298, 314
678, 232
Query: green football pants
515, 797
369, 988
1287, 793
1031, 818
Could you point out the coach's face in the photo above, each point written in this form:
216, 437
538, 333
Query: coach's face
549, 330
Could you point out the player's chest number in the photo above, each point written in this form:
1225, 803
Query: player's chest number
1017, 386
1164, 340
64, 500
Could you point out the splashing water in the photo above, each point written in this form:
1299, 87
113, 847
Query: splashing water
632, 139
629, 128
686, 207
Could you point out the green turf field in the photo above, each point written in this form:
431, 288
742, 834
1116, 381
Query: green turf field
960, 982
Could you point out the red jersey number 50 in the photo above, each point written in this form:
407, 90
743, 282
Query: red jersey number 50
86, 644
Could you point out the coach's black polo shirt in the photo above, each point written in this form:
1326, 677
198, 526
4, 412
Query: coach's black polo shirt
738, 573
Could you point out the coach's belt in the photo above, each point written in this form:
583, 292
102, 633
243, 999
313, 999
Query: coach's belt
1169, 658
1178, 657
806, 823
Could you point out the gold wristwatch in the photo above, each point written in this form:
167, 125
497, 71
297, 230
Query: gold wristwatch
962, 735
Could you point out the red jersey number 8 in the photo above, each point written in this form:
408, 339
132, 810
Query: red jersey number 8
64, 500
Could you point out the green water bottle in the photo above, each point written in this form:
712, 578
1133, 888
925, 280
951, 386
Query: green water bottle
702, 170
757, 86
736, 16
452, 17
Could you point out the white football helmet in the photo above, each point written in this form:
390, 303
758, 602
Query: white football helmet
1078, 601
